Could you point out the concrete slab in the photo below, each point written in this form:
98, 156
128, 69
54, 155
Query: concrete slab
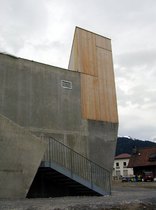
20, 156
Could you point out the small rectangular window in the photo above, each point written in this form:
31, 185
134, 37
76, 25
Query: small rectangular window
117, 165
66, 84
124, 163
125, 172
118, 173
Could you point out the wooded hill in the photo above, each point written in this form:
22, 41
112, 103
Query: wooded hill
126, 144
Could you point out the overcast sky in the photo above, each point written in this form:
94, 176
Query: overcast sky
42, 30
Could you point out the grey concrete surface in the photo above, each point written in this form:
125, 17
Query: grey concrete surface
102, 142
32, 96
20, 156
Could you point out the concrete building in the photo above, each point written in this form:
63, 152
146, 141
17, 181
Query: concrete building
58, 121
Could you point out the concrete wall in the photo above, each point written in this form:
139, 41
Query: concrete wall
31, 95
102, 142
20, 156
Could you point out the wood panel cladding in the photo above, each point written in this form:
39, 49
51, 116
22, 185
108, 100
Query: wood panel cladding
91, 55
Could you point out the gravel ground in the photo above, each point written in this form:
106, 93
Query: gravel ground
125, 196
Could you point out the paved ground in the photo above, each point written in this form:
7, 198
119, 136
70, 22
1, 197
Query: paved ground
125, 196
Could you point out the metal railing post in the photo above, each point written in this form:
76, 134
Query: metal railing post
110, 184
71, 163
49, 150
91, 175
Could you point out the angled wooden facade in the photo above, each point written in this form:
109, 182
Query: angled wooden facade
91, 55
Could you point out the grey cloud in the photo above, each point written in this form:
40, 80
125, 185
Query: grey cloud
146, 57
138, 97
46, 45
143, 132
20, 21
25, 15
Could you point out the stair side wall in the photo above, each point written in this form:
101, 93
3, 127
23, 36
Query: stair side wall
20, 156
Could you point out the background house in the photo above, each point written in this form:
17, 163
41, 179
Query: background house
143, 160
120, 166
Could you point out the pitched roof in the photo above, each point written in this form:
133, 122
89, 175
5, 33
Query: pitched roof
123, 156
143, 157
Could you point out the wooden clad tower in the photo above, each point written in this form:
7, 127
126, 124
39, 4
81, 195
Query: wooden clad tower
91, 55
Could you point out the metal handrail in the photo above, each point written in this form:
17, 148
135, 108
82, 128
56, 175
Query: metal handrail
77, 164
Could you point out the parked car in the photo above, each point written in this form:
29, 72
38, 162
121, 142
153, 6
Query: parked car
148, 176
125, 179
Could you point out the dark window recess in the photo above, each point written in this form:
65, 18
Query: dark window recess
117, 164
152, 157
124, 163
66, 84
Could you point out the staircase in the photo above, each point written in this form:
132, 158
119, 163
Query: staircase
68, 170
62, 171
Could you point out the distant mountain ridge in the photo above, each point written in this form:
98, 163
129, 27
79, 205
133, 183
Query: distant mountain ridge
126, 144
